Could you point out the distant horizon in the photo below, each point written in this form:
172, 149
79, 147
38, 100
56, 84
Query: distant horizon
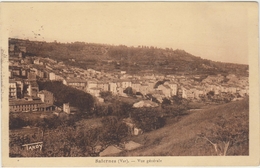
124, 45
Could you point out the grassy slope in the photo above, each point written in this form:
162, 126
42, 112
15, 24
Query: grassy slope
181, 138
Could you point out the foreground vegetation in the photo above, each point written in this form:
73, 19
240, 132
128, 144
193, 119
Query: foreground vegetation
220, 130
72, 135
216, 130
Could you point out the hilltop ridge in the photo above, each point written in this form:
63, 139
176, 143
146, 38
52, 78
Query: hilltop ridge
132, 59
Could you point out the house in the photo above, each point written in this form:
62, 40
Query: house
242, 92
46, 97
182, 92
91, 71
213, 79
166, 90
113, 87
120, 91
132, 129
136, 86
24, 72
66, 108
33, 88
145, 103
149, 76
126, 83
144, 88
160, 77
45, 107
59, 77
198, 93
103, 86
118, 84
49, 66
12, 89
40, 73
94, 91
233, 89
217, 90
52, 76
70, 74
16, 54
123, 72
37, 61
27, 60
19, 87
19, 105
150, 84
91, 84
31, 75
171, 77
22, 49
173, 87
16, 71
75, 83
224, 89
190, 93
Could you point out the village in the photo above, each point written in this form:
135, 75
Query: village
147, 89
25, 71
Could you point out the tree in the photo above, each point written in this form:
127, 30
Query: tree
103, 110
228, 133
148, 119
106, 95
16, 122
129, 91
114, 130
166, 102
63, 94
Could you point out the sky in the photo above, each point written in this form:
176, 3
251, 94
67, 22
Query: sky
216, 31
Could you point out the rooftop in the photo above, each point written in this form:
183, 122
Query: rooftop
23, 102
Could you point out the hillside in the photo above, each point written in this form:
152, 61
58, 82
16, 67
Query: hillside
132, 59
187, 137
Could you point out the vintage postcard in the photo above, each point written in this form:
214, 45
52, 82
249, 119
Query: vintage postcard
129, 84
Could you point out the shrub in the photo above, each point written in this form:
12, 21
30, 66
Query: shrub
148, 119
16, 122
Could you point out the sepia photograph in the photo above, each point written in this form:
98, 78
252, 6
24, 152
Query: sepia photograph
129, 83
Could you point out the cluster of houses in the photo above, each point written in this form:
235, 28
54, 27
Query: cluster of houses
24, 71
24, 96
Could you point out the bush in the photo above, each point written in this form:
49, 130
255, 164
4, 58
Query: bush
148, 119
114, 130
16, 122
129, 91
106, 95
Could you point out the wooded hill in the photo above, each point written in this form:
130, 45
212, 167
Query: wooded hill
133, 59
